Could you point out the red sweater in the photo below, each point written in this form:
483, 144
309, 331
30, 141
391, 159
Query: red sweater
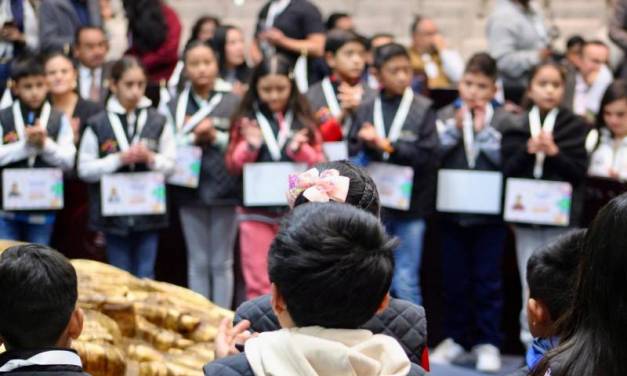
160, 63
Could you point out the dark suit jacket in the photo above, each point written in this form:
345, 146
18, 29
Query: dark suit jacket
58, 23
104, 82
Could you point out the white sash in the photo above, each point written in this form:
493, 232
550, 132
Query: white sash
20, 127
120, 132
206, 108
536, 127
468, 132
399, 118
334, 104
275, 145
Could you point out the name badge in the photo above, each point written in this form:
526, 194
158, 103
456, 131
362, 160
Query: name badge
135, 193
266, 184
394, 183
466, 191
187, 167
32, 189
538, 202
335, 151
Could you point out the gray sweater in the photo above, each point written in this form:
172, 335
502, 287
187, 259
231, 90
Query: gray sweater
515, 36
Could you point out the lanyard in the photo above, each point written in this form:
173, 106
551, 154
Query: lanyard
44, 117
536, 127
468, 132
119, 132
206, 108
275, 145
399, 118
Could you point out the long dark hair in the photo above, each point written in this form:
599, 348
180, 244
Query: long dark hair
199, 24
527, 103
615, 92
594, 329
297, 102
242, 72
146, 23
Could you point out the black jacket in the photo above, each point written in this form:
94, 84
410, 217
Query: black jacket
417, 147
238, 365
569, 165
404, 321
39, 370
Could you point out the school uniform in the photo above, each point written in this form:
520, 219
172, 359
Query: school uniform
258, 226
472, 244
207, 212
415, 143
569, 165
327, 108
610, 156
50, 362
15, 152
131, 240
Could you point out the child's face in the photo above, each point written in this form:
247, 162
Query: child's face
547, 88
32, 91
60, 75
234, 48
201, 66
130, 88
349, 61
615, 117
274, 90
476, 89
395, 75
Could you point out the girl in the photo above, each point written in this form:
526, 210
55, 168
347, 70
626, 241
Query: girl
609, 158
272, 124
204, 28
71, 233
594, 339
554, 152
228, 42
207, 209
129, 136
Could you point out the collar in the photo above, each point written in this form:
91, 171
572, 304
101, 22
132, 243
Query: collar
113, 105
25, 110
15, 359
200, 100
459, 102
86, 72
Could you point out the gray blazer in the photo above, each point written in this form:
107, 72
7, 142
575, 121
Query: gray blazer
58, 23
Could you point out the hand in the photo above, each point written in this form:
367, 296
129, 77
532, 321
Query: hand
228, 336
249, 129
479, 119
205, 132
273, 36
439, 43
367, 133
128, 157
11, 33
300, 138
139, 153
460, 114
239, 89
75, 124
105, 10
350, 97
36, 135
533, 145
547, 144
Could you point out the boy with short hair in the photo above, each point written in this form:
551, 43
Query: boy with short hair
336, 97
319, 303
32, 135
472, 243
397, 127
39, 317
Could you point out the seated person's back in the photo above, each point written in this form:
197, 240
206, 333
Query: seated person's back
38, 313
331, 267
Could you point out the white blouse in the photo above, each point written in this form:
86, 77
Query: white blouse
610, 157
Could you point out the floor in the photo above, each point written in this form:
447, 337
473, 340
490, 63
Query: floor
510, 364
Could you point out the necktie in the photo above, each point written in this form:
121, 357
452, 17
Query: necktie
94, 88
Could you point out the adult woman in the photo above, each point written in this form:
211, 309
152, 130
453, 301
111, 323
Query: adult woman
228, 42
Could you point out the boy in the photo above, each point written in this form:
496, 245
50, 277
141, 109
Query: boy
38, 313
336, 97
472, 244
398, 128
32, 135
552, 278
318, 304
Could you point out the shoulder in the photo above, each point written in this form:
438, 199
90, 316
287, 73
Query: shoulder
259, 312
306, 6
421, 102
230, 99
447, 112
314, 90
236, 365
155, 116
97, 120
88, 107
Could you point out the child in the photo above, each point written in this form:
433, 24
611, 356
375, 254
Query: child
551, 275
609, 158
208, 210
39, 317
230, 47
283, 131
320, 305
593, 331
129, 136
32, 135
337, 96
398, 127
557, 152
472, 244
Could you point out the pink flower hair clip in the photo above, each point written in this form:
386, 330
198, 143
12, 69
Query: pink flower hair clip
318, 187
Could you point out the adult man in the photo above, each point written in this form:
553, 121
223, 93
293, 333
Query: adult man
90, 50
